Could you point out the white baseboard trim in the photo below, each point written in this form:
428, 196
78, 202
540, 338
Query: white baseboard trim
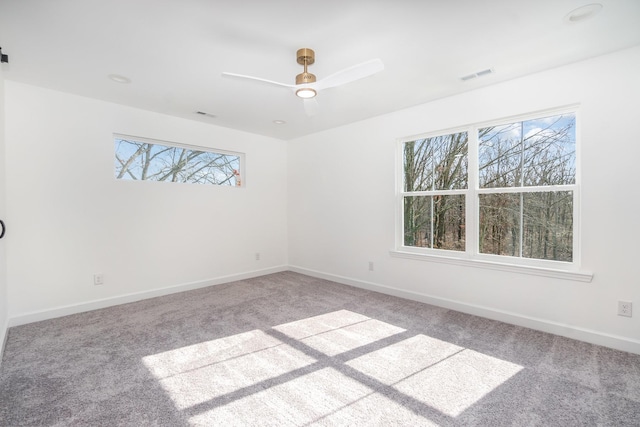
4, 334
36, 316
594, 337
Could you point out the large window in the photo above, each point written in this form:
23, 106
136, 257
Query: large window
504, 190
140, 159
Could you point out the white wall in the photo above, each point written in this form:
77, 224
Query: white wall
3, 278
342, 204
70, 218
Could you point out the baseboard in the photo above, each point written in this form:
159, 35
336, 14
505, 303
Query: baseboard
4, 334
37, 316
581, 334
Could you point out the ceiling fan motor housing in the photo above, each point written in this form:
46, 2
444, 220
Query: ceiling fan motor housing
306, 56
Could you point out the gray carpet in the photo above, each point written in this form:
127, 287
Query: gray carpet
291, 350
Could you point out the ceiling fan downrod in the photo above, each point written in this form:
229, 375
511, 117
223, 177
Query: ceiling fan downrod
305, 57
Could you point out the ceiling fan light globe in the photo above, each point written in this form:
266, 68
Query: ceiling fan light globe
306, 93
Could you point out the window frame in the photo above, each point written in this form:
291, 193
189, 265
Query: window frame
471, 256
241, 158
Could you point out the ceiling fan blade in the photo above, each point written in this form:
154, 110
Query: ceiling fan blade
310, 106
258, 79
350, 74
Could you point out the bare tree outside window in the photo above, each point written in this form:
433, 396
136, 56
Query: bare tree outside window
137, 160
536, 154
436, 219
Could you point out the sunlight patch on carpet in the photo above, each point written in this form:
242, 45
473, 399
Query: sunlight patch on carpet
458, 382
338, 332
325, 396
206, 353
396, 362
215, 381
198, 373
305, 328
439, 374
351, 337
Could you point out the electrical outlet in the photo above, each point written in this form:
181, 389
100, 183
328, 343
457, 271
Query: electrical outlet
370, 266
98, 279
625, 308
257, 256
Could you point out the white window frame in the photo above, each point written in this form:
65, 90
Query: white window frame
471, 257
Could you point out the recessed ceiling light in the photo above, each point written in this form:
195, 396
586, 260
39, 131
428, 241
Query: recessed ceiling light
279, 122
583, 13
119, 79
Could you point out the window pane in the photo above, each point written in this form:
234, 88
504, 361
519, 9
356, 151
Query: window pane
450, 161
137, 160
449, 222
436, 163
417, 166
550, 150
435, 222
548, 226
417, 221
500, 156
500, 224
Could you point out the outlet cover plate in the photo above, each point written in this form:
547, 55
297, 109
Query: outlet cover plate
625, 308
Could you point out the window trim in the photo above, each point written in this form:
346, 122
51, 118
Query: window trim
578, 275
471, 256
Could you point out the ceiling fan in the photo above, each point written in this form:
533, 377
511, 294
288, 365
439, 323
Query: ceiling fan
307, 86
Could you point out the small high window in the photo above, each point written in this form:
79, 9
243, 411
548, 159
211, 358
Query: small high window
142, 159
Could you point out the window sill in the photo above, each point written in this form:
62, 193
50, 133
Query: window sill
580, 276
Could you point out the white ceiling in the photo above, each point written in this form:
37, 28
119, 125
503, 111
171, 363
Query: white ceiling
174, 51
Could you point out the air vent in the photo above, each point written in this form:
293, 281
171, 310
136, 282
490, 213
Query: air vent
202, 113
477, 74
583, 13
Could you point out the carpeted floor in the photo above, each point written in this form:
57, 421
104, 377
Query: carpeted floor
292, 350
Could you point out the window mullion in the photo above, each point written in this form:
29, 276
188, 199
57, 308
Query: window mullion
521, 225
472, 210
431, 222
